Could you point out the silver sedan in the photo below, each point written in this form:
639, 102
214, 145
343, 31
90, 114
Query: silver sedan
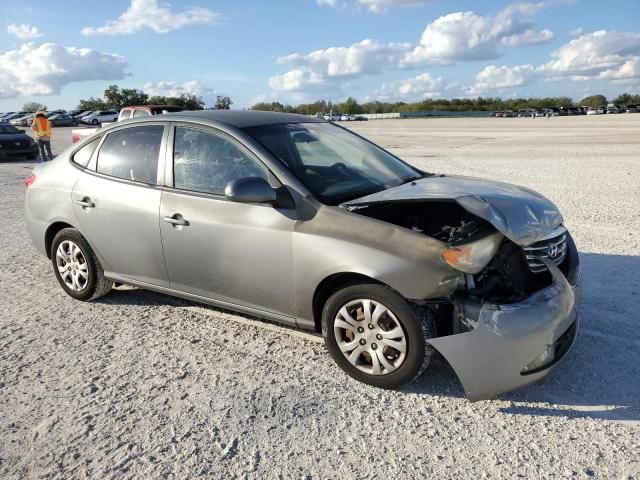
300, 221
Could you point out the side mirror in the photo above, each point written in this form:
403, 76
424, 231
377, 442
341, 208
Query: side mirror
250, 190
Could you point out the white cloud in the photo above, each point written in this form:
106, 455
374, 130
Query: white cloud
45, 69
600, 54
381, 6
23, 31
328, 3
421, 86
174, 89
469, 36
576, 32
528, 37
454, 37
495, 77
367, 57
143, 14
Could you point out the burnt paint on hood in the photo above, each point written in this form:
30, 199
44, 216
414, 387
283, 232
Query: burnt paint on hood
520, 214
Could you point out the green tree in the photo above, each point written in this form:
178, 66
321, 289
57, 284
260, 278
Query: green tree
627, 99
350, 106
117, 98
594, 101
92, 103
32, 107
223, 103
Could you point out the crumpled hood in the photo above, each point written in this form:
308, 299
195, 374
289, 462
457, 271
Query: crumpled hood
520, 214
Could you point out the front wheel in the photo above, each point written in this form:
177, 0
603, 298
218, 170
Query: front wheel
94, 121
76, 267
376, 337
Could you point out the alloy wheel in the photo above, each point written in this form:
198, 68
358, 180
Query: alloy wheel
72, 266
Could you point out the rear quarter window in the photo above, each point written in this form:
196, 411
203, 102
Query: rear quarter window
83, 156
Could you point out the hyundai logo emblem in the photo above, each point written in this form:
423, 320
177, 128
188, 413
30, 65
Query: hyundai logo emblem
552, 251
17, 144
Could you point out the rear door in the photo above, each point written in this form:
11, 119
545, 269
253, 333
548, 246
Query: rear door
235, 253
117, 198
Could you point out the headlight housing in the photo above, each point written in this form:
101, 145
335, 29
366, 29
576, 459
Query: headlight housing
474, 256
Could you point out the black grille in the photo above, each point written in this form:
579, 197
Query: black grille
553, 247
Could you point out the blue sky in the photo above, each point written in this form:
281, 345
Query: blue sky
57, 52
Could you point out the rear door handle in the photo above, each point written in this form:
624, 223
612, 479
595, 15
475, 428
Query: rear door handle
177, 220
85, 203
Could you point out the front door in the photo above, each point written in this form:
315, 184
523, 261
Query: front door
117, 207
230, 252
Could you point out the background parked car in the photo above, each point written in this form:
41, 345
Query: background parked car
62, 120
15, 143
100, 116
21, 121
147, 110
13, 116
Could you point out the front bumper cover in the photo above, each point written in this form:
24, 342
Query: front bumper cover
492, 358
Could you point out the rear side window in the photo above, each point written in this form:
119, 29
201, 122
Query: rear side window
83, 155
132, 153
205, 162
124, 114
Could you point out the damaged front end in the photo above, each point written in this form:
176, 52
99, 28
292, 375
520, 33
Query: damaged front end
512, 315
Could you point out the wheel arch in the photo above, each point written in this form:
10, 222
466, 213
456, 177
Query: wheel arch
330, 285
51, 232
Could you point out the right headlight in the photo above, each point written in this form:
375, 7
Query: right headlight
474, 256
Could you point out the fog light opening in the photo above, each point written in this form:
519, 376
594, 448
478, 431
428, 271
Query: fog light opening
541, 360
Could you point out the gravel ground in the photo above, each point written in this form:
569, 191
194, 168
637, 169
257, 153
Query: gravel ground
142, 385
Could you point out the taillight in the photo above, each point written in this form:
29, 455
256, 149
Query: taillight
75, 138
29, 180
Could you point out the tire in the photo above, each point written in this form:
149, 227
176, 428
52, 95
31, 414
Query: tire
416, 327
94, 121
90, 282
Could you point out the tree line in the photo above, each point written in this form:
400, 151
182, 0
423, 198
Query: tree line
351, 105
116, 98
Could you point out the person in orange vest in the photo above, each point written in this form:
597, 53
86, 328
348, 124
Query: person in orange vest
41, 127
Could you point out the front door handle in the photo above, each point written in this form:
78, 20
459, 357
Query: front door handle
85, 203
177, 220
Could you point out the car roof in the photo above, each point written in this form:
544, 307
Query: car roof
245, 118
150, 107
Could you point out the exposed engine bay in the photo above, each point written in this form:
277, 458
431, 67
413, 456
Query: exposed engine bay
507, 278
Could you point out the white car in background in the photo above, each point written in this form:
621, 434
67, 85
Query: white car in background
595, 111
100, 116
347, 118
22, 121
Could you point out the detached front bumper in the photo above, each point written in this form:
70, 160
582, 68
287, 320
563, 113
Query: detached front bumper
517, 344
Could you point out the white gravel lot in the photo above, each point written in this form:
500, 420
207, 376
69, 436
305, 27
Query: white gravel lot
139, 385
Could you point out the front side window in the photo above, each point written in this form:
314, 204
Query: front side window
126, 113
335, 164
140, 113
82, 156
206, 162
132, 153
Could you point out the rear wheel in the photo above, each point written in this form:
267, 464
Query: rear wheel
375, 336
94, 121
76, 267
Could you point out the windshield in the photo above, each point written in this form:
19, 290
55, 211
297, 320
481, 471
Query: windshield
333, 163
7, 128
